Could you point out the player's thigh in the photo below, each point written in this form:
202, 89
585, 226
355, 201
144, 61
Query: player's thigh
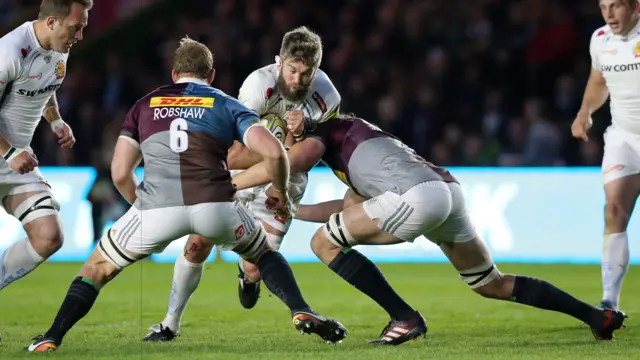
231, 226
391, 218
140, 233
37, 209
197, 248
457, 227
621, 156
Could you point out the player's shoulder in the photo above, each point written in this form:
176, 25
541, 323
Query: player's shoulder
263, 77
16, 44
323, 91
600, 35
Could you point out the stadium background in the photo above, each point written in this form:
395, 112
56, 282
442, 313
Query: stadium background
490, 86
486, 87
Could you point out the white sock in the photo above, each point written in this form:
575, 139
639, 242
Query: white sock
17, 261
615, 262
186, 277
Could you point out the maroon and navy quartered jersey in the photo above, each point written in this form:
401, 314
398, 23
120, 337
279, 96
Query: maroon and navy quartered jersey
184, 131
371, 161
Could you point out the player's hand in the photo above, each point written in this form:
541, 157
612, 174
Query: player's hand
278, 200
295, 121
581, 126
65, 135
24, 162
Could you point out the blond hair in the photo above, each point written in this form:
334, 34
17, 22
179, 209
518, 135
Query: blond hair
193, 57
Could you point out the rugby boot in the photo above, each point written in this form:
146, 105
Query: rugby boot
398, 332
608, 305
248, 292
329, 330
159, 333
612, 321
40, 344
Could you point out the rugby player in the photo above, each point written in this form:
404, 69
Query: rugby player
615, 59
183, 132
295, 89
33, 64
396, 196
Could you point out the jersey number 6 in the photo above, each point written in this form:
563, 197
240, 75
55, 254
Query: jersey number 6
178, 138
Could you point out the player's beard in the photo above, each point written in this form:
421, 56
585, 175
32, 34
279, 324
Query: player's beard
294, 96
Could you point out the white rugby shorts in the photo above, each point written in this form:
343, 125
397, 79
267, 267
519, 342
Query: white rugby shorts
12, 183
435, 209
230, 225
621, 154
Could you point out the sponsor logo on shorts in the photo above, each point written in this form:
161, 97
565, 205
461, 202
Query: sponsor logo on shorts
161, 101
240, 231
612, 168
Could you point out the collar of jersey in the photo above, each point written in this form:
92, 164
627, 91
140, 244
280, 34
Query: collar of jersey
632, 34
192, 80
34, 38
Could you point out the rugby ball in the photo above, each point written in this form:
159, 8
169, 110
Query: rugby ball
276, 125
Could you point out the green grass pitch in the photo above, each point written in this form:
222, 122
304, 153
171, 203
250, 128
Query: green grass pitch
462, 325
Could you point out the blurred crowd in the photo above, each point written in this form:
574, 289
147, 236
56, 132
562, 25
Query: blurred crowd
465, 83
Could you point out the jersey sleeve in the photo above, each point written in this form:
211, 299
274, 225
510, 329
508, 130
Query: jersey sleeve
243, 118
332, 100
253, 92
594, 48
9, 71
130, 128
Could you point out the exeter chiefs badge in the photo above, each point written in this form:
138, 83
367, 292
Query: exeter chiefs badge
60, 70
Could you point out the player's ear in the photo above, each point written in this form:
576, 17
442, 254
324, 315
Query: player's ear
212, 76
51, 22
174, 75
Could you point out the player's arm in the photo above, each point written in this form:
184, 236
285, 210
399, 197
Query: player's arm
126, 157
240, 157
260, 141
51, 113
9, 71
302, 157
595, 94
320, 213
596, 91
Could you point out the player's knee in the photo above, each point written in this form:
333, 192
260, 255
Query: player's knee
484, 279
320, 243
615, 215
333, 235
197, 249
45, 234
99, 270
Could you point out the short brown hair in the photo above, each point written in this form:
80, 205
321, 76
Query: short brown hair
61, 8
302, 44
192, 57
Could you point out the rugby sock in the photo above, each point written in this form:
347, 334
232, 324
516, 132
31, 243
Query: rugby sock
186, 277
541, 294
80, 298
17, 261
365, 276
279, 279
615, 262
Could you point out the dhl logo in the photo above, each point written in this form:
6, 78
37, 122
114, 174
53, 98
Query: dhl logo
161, 101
